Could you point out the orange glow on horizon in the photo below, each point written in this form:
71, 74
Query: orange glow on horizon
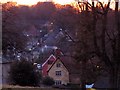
62, 2
32, 2
27, 2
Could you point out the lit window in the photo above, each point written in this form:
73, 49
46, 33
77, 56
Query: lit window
58, 73
58, 82
58, 65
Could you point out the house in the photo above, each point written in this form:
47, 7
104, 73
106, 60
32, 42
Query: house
59, 72
62, 69
47, 64
5, 67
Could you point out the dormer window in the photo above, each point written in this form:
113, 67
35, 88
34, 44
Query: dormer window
58, 65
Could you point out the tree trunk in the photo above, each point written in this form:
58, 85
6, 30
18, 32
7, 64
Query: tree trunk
114, 78
83, 79
117, 60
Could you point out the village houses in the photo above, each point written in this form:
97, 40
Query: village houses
61, 69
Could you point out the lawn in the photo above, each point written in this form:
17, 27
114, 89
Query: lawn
11, 87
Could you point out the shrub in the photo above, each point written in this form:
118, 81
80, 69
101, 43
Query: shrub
23, 73
48, 81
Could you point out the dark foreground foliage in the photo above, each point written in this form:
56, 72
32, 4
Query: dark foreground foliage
23, 73
48, 81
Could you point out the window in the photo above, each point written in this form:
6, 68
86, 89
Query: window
58, 65
58, 73
58, 82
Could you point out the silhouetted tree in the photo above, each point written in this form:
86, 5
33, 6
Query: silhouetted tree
12, 36
23, 73
100, 39
48, 81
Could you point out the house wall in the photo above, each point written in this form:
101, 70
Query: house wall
0, 75
5, 73
64, 73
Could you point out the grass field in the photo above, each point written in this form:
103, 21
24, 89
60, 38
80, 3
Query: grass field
12, 87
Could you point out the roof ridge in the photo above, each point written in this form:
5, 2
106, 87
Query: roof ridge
48, 59
55, 62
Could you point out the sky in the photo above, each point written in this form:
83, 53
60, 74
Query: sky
32, 2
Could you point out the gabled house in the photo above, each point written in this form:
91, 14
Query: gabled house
59, 72
46, 65
62, 69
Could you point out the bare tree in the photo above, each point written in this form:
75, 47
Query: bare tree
106, 42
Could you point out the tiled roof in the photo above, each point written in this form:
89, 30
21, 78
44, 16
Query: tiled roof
52, 57
69, 63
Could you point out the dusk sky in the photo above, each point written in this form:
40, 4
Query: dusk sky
32, 2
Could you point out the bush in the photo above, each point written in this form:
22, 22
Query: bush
23, 73
48, 81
